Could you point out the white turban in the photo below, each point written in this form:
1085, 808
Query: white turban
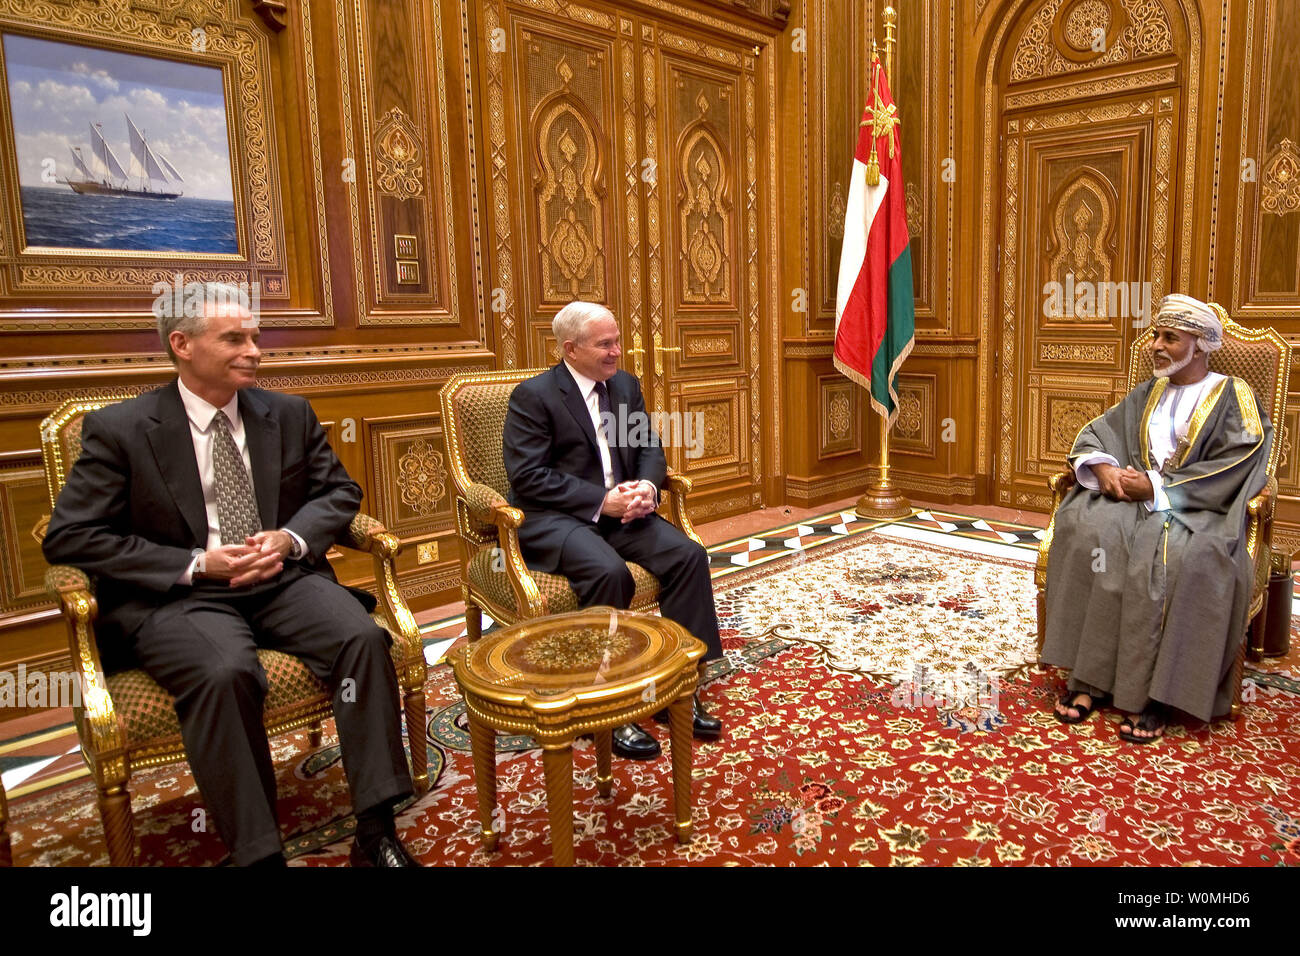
1186, 314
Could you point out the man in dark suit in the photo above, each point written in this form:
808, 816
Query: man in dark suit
205, 509
586, 470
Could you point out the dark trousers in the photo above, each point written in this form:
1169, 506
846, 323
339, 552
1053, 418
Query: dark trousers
202, 649
592, 559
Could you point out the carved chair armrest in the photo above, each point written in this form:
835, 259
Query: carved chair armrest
482, 500
678, 488
1059, 483
1263, 503
1259, 523
101, 734
366, 534
369, 535
528, 596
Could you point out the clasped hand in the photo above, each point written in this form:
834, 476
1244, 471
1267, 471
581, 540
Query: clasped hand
628, 500
1126, 484
260, 557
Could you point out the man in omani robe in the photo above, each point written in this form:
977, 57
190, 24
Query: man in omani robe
1148, 576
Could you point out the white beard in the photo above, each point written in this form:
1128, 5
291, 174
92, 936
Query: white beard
1173, 368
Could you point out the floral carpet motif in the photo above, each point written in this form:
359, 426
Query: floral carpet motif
898, 612
830, 754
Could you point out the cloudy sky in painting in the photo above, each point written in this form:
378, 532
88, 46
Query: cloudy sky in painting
56, 90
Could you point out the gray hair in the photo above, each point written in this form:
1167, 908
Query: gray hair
186, 310
570, 323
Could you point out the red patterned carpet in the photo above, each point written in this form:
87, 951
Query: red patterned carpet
879, 710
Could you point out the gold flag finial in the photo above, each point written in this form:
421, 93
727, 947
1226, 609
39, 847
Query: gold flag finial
873, 102
881, 118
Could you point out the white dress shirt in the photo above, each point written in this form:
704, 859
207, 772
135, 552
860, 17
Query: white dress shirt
1168, 426
587, 386
201, 413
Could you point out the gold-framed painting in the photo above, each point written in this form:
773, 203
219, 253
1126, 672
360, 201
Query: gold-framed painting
118, 152
136, 144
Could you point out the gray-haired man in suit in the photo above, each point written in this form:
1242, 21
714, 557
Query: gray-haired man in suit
589, 500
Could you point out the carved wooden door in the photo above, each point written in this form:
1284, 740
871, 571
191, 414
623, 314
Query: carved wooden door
623, 168
703, 305
1087, 245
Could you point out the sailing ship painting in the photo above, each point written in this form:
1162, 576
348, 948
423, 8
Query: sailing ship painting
119, 151
104, 175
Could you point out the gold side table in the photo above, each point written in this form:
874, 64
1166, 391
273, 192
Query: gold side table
556, 678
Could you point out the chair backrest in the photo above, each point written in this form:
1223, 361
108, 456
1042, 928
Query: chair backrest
473, 421
1260, 356
61, 438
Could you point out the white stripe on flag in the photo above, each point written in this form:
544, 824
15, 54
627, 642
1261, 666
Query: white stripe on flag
864, 202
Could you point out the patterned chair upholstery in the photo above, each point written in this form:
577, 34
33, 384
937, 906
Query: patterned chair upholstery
494, 576
1263, 358
126, 720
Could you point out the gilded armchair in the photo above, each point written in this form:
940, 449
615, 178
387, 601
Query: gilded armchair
1263, 358
494, 576
126, 720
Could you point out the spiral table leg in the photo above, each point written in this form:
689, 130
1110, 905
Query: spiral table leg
558, 763
484, 744
680, 720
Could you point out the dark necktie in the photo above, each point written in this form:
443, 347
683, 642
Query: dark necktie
236, 507
606, 415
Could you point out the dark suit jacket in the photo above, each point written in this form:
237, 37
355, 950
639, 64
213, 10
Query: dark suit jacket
132, 512
553, 461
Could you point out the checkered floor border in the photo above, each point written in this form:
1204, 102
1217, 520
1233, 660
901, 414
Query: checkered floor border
806, 535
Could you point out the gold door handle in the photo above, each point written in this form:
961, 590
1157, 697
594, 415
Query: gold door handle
660, 349
637, 351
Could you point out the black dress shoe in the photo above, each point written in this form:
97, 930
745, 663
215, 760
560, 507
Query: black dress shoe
386, 852
633, 743
704, 726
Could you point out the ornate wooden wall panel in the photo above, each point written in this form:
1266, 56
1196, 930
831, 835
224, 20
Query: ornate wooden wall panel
550, 80
709, 201
1267, 233
1079, 209
415, 241
1097, 103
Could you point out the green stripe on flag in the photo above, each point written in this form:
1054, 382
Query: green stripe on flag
900, 327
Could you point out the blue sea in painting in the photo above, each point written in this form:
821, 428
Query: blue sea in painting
60, 217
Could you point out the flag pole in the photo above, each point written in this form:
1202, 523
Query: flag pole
882, 499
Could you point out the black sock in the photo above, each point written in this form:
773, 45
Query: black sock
274, 861
374, 824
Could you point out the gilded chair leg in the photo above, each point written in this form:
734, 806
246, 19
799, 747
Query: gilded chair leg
679, 725
119, 828
473, 621
604, 762
1256, 631
483, 743
313, 735
558, 764
415, 734
1042, 628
